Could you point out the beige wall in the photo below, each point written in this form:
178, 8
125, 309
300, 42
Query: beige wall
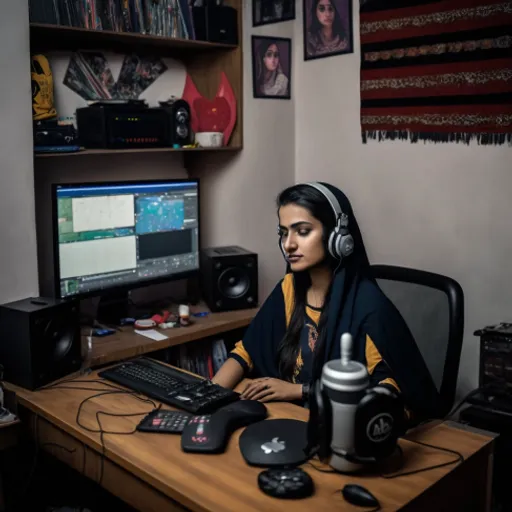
238, 194
18, 264
439, 207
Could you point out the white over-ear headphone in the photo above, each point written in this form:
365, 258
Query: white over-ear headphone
340, 243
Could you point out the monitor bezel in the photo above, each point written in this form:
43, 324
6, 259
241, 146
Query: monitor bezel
124, 287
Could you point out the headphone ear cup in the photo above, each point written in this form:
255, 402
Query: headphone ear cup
332, 244
320, 423
378, 424
344, 245
324, 424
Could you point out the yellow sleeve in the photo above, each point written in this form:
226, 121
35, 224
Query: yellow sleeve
241, 355
289, 296
373, 358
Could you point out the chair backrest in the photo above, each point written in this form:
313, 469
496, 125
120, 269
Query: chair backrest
432, 305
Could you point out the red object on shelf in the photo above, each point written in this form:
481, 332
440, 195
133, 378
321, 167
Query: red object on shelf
217, 115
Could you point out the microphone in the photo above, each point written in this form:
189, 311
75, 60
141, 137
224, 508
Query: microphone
345, 382
352, 424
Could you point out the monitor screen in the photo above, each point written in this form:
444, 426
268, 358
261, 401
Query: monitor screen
124, 234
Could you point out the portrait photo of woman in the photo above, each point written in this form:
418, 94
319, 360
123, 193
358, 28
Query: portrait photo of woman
271, 67
327, 28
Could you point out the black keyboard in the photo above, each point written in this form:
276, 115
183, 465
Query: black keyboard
170, 386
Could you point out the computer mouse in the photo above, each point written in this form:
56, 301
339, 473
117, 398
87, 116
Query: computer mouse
357, 495
246, 407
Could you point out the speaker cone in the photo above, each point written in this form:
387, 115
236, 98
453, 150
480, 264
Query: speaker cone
59, 335
233, 282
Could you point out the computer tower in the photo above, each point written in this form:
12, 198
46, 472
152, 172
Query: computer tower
229, 278
39, 341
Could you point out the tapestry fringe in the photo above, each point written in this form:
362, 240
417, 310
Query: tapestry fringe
484, 139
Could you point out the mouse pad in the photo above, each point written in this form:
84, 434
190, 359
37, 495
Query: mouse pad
274, 443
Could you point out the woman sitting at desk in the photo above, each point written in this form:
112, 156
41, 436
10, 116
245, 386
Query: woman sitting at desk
327, 291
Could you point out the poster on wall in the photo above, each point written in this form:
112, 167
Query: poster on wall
89, 75
271, 67
265, 12
327, 28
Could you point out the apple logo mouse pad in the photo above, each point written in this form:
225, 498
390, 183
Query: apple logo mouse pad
272, 443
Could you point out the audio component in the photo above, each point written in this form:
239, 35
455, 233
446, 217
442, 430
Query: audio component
39, 341
127, 125
180, 131
496, 356
216, 23
229, 278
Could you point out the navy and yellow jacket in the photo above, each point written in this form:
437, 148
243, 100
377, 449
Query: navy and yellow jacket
377, 367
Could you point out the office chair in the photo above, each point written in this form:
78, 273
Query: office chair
432, 305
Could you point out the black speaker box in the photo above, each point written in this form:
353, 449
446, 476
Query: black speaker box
229, 278
39, 341
216, 24
179, 116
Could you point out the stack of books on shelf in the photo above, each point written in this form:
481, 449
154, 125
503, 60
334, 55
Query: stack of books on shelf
202, 358
167, 18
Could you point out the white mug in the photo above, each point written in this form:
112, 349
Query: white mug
210, 139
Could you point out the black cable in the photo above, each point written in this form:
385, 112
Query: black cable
459, 458
321, 470
102, 392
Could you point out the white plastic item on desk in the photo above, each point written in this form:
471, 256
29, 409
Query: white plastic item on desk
184, 311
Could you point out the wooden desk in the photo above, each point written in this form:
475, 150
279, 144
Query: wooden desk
127, 343
150, 472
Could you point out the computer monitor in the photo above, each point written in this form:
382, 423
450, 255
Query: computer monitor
112, 237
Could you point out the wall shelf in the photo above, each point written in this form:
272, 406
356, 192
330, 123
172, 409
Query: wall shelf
46, 37
90, 152
203, 61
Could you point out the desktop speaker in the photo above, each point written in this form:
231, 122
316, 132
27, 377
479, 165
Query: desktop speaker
179, 116
229, 278
216, 23
39, 341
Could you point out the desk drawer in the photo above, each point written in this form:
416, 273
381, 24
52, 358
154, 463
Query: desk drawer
87, 462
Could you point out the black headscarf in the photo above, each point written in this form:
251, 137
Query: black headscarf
357, 305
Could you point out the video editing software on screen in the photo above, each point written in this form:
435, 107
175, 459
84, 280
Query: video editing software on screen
115, 235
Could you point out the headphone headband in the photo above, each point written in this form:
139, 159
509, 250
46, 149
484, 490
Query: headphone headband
335, 205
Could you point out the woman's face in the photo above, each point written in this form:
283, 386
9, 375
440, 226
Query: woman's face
271, 58
301, 237
325, 13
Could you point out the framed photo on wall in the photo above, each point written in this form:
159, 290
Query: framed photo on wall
271, 67
327, 28
265, 12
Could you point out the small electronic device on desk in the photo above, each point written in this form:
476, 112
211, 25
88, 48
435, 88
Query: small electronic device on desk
170, 385
495, 376
164, 422
210, 433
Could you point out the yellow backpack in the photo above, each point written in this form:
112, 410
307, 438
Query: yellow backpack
42, 89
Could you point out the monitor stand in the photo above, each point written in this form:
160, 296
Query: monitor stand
113, 307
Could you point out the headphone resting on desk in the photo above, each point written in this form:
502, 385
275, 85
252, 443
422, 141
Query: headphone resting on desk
378, 422
340, 243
